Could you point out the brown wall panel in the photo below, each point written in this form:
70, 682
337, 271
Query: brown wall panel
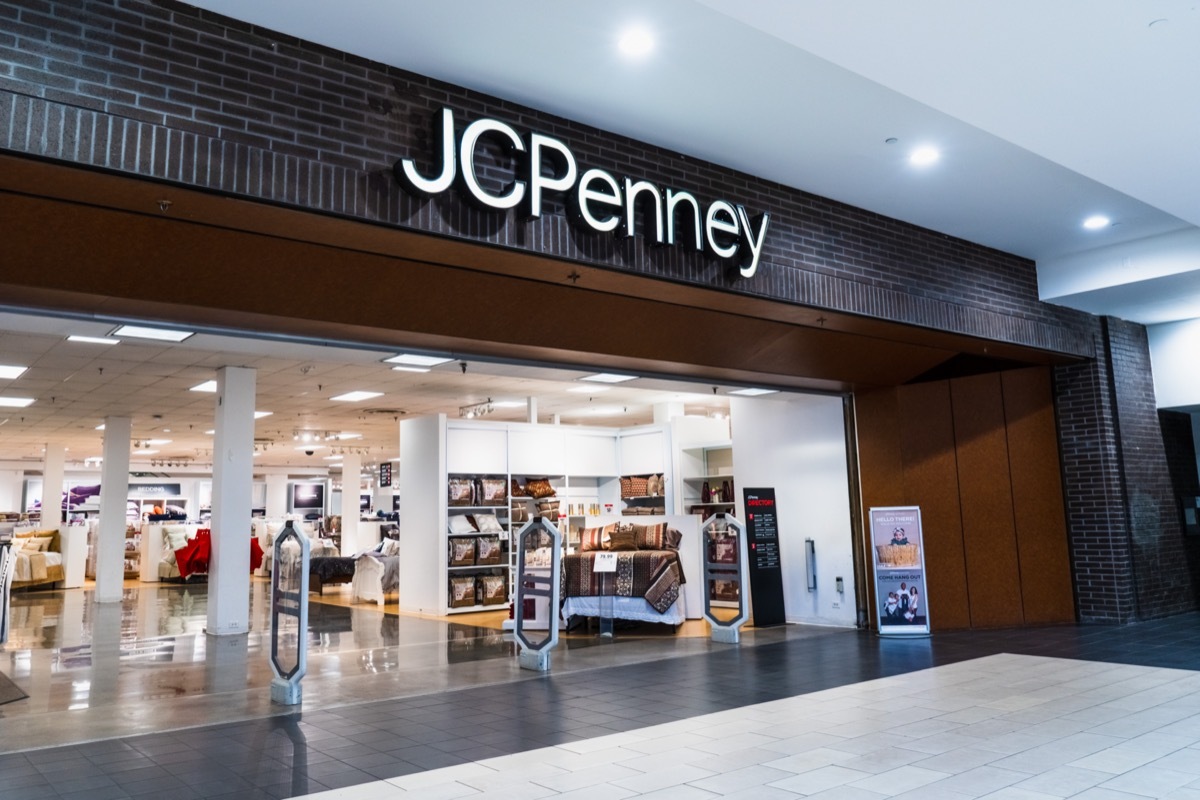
880, 466
931, 481
1042, 551
989, 533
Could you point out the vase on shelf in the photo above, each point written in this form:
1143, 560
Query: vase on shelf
727, 491
705, 493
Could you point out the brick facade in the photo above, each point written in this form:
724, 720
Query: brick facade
164, 91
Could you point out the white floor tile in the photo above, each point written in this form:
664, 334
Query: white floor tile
1150, 781
821, 779
899, 780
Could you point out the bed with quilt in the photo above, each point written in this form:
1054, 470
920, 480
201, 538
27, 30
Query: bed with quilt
647, 583
38, 556
373, 573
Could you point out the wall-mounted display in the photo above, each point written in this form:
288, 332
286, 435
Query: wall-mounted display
899, 558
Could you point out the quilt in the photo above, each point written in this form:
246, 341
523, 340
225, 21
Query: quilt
655, 575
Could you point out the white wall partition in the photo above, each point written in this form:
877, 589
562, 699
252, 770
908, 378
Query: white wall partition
798, 447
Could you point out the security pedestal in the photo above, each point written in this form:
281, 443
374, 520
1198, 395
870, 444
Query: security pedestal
537, 576
725, 578
289, 615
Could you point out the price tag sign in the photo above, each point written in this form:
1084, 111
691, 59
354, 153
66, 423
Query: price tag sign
605, 562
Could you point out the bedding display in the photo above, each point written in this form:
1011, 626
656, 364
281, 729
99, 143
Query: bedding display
377, 573
37, 558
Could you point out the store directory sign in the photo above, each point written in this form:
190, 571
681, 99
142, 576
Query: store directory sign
898, 548
766, 569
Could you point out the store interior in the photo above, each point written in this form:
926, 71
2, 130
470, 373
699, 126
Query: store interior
302, 435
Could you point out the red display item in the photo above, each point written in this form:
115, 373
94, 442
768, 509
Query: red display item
193, 556
256, 554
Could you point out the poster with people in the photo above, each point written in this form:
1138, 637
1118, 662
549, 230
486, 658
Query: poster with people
899, 557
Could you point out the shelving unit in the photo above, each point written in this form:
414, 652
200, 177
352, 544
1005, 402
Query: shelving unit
133, 552
497, 506
711, 464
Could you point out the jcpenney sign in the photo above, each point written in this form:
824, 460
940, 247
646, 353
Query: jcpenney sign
596, 198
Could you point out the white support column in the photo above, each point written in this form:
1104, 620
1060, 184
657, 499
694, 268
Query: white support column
665, 412
351, 468
233, 476
114, 496
531, 406
54, 474
12, 484
277, 495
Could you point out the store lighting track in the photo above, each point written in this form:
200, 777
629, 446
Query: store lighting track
477, 410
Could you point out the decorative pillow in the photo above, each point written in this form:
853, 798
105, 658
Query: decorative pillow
491, 590
515, 488
462, 552
548, 509
39, 544
460, 523
518, 512
638, 487
487, 550
626, 487
176, 536
654, 485
389, 547
621, 538
673, 539
495, 492
486, 523
651, 537
459, 491
462, 591
539, 487
595, 538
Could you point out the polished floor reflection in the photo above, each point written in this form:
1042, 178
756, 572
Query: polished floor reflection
133, 700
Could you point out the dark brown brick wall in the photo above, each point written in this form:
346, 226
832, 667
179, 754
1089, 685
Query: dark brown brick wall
163, 91
166, 91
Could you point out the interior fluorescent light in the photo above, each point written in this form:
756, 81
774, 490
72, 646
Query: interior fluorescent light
144, 452
100, 427
923, 156
333, 458
213, 432
158, 334
588, 389
207, 386
344, 435
16, 402
355, 397
753, 392
1096, 222
415, 360
92, 339
509, 404
411, 369
608, 377
261, 414
157, 441
8, 373
304, 447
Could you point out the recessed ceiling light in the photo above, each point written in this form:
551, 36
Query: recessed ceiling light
213, 432
158, 334
15, 402
608, 377
411, 369
417, 360
8, 373
158, 441
355, 397
261, 414
923, 156
588, 389
635, 42
753, 392
207, 386
333, 458
144, 452
304, 447
100, 427
1096, 222
92, 339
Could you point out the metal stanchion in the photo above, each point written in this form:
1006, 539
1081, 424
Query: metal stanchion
535, 582
289, 600
726, 581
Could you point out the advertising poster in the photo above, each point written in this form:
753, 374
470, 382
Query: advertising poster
899, 557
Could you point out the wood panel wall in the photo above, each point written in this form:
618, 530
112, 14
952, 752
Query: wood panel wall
979, 455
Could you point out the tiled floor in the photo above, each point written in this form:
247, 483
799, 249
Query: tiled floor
399, 707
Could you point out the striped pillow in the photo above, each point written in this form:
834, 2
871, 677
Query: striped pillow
651, 537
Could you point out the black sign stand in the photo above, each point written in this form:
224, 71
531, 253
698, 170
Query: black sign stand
766, 569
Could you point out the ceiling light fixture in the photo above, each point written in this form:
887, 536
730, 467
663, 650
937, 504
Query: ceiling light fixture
635, 42
753, 392
509, 404
923, 156
417, 360
410, 369
92, 339
11, 372
207, 386
477, 410
261, 414
15, 402
157, 334
608, 377
356, 396
1096, 222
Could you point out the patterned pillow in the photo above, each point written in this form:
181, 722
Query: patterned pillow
621, 538
539, 487
459, 491
651, 537
673, 539
487, 523
638, 487
626, 487
516, 489
494, 491
460, 523
595, 538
